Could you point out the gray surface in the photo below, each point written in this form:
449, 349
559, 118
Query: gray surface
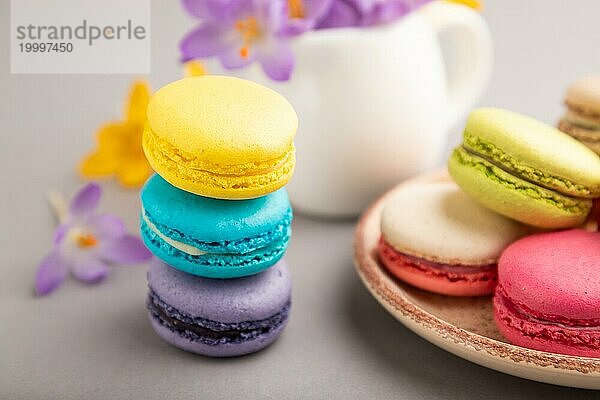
95, 343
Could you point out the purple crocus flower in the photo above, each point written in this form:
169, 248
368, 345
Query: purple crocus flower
85, 243
240, 32
341, 14
384, 11
303, 15
345, 13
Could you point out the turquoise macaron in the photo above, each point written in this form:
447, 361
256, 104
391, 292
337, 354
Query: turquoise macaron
214, 238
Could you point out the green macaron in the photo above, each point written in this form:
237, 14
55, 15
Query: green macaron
526, 170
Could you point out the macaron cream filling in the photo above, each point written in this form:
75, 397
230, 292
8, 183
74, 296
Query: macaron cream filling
583, 121
583, 112
492, 171
451, 272
183, 247
208, 331
195, 247
509, 164
589, 136
524, 312
190, 167
542, 335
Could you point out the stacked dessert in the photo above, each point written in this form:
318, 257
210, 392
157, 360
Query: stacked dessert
582, 119
216, 215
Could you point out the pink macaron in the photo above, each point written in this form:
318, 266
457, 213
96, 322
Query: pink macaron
548, 294
436, 238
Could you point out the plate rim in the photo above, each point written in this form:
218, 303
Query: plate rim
451, 337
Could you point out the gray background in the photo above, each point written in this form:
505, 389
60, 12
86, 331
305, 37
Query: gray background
95, 342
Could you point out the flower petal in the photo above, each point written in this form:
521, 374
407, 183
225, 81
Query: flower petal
475, 4
104, 160
208, 40
85, 201
314, 11
205, 9
89, 269
236, 10
276, 58
197, 8
105, 226
134, 171
341, 14
139, 97
295, 27
365, 6
232, 58
110, 137
50, 273
127, 249
97, 165
194, 68
60, 233
271, 14
385, 12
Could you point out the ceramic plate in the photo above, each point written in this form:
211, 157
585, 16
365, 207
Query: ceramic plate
462, 326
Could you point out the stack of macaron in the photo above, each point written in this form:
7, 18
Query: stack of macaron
582, 119
216, 215
510, 225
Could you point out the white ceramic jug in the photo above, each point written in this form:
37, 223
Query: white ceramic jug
375, 104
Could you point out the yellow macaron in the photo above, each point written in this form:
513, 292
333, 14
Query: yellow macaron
221, 137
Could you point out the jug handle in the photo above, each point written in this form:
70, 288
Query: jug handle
472, 55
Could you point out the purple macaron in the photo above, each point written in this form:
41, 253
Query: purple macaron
218, 317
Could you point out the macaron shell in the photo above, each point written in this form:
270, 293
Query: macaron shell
545, 337
221, 137
223, 120
250, 298
439, 222
586, 121
590, 138
477, 282
248, 181
536, 149
515, 197
218, 265
554, 273
223, 350
211, 220
585, 94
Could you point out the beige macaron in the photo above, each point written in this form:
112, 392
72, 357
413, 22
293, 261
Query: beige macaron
441, 223
582, 119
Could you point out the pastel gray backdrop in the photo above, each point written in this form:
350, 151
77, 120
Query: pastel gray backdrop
95, 342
